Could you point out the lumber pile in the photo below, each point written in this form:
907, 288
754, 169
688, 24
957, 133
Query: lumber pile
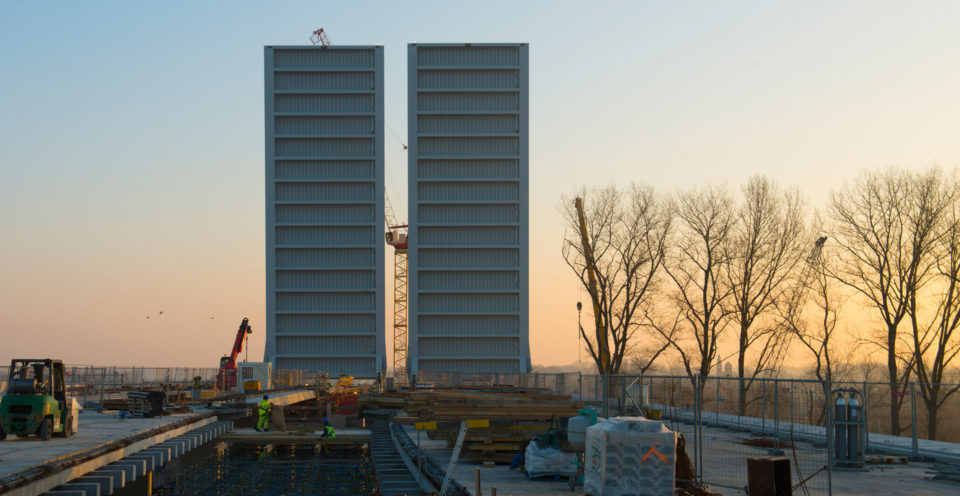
476, 403
516, 416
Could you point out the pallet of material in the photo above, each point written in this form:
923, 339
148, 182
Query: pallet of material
499, 429
495, 452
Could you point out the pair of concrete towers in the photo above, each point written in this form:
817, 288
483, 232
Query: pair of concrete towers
468, 196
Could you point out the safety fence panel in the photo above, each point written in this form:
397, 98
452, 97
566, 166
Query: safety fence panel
776, 424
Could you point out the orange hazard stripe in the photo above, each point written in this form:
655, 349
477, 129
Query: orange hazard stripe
653, 451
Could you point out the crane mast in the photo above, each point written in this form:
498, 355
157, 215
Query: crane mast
396, 236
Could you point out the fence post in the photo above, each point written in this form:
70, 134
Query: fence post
698, 423
740, 391
776, 414
763, 406
606, 398
828, 423
103, 375
86, 377
717, 400
865, 415
915, 445
793, 419
623, 395
680, 393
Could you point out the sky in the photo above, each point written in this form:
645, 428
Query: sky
131, 138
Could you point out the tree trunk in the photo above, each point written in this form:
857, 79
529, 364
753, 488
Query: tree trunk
741, 387
895, 400
931, 404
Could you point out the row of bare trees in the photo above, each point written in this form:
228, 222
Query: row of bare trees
682, 274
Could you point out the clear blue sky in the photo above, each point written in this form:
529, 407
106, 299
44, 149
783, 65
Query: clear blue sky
131, 137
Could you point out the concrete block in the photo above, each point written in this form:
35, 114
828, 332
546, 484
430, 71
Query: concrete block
119, 476
195, 440
164, 453
152, 460
191, 440
86, 488
172, 450
178, 447
105, 481
133, 468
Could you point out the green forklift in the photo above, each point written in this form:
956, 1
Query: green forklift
36, 400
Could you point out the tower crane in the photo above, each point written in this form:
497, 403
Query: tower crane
396, 236
319, 38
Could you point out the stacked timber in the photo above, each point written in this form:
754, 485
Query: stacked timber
516, 416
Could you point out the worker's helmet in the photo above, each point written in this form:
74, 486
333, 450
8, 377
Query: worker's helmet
266, 397
325, 420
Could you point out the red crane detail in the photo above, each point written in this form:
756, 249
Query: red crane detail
319, 38
227, 377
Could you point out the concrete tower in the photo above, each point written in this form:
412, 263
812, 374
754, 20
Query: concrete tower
468, 180
324, 208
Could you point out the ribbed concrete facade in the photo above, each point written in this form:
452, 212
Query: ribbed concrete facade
468, 182
324, 209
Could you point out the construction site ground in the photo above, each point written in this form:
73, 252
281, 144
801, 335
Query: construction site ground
508, 482
724, 459
913, 478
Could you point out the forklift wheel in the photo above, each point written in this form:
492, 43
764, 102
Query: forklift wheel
46, 428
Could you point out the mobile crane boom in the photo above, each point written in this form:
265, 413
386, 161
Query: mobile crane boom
227, 378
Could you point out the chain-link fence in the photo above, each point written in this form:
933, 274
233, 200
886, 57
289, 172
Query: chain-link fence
92, 386
724, 421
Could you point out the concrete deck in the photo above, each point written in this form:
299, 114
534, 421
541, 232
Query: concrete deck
96, 429
344, 436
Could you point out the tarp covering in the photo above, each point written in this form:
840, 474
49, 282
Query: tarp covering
547, 461
630, 456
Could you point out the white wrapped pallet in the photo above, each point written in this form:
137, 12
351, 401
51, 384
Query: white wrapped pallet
547, 461
630, 456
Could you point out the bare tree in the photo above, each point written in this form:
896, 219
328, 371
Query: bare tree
700, 296
935, 206
626, 238
881, 256
765, 246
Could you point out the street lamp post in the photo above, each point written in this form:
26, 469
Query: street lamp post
579, 326
579, 347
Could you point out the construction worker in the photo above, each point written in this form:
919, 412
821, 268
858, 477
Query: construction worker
328, 430
265, 409
195, 395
